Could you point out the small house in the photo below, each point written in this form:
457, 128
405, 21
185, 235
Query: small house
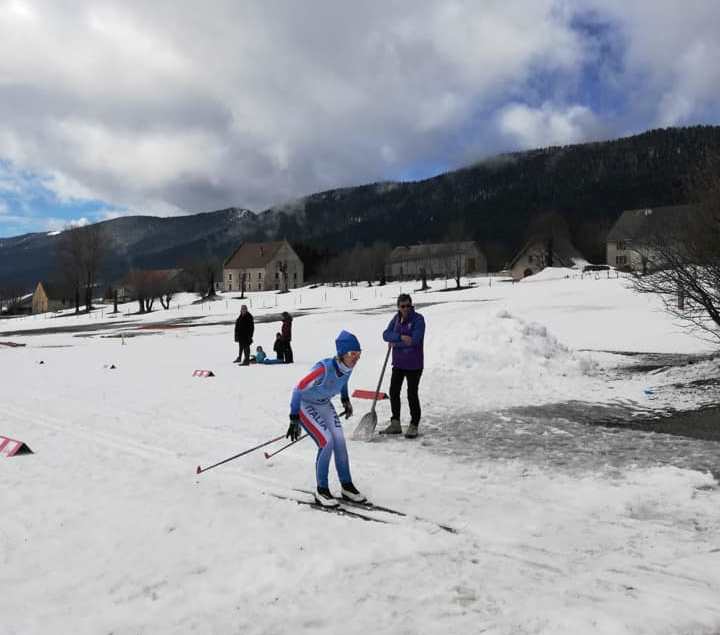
539, 253
264, 266
48, 297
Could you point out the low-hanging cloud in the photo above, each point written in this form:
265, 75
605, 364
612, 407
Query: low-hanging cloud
162, 107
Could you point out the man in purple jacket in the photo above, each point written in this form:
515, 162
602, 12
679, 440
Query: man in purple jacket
405, 333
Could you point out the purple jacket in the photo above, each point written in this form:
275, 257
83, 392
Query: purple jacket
406, 356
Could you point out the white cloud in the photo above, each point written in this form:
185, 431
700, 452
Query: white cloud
254, 103
164, 108
59, 224
671, 66
547, 125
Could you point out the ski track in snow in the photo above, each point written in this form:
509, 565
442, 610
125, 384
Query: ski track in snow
108, 529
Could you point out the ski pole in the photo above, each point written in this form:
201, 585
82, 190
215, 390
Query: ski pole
200, 470
267, 456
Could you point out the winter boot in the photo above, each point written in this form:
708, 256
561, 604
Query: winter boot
412, 431
393, 428
324, 498
350, 492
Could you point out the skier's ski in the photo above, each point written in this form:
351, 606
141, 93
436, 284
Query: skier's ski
366, 505
388, 510
340, 510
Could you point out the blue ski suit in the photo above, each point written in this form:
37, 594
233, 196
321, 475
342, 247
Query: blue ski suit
311, 401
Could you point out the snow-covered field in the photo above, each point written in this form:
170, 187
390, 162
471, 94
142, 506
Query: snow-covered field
107, 528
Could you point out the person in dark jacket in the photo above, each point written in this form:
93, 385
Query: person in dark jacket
287, 337
279, 347
244, 330
405, 333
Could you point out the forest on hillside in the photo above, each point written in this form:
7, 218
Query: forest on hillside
497, 202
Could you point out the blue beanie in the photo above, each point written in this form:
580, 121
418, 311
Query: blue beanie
346, 342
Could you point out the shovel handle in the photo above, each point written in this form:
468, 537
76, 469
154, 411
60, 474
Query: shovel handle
382, 374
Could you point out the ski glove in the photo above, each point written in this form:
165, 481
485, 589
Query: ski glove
293, 431
348, 408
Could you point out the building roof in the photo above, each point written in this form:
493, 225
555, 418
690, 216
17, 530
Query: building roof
254, 255
432, 250
637, 223
564, 252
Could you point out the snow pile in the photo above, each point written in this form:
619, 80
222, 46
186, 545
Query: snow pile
552, 273
507, 344
495, 356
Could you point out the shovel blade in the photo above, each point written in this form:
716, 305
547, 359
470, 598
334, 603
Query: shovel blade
369, 394
366, 428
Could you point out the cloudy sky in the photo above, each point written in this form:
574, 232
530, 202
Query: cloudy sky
168, 107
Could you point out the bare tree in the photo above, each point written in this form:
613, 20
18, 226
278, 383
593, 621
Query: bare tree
167, 287
683, 256
80, 253
93, 254
146, 286
203, 271
425, 257
379, 252
360, 263
283, 270
243, 284
69, 259
452, 251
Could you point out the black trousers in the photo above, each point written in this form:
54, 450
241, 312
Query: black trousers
288, 353
244, 347
413, 381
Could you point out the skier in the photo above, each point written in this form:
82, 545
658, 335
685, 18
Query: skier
406, 333
311, 408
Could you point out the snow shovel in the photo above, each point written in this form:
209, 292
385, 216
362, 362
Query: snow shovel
366, 428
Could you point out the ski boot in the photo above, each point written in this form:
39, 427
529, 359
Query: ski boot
350, 492
324, 498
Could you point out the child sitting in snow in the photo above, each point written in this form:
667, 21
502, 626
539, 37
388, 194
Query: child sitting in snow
261, 357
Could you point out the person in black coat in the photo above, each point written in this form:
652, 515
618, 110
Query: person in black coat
287, 337
279, 347
244, 329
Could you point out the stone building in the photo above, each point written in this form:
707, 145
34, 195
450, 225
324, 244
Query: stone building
438, 259
263, 267
629, 242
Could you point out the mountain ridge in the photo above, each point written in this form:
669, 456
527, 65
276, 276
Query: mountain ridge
494, 200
